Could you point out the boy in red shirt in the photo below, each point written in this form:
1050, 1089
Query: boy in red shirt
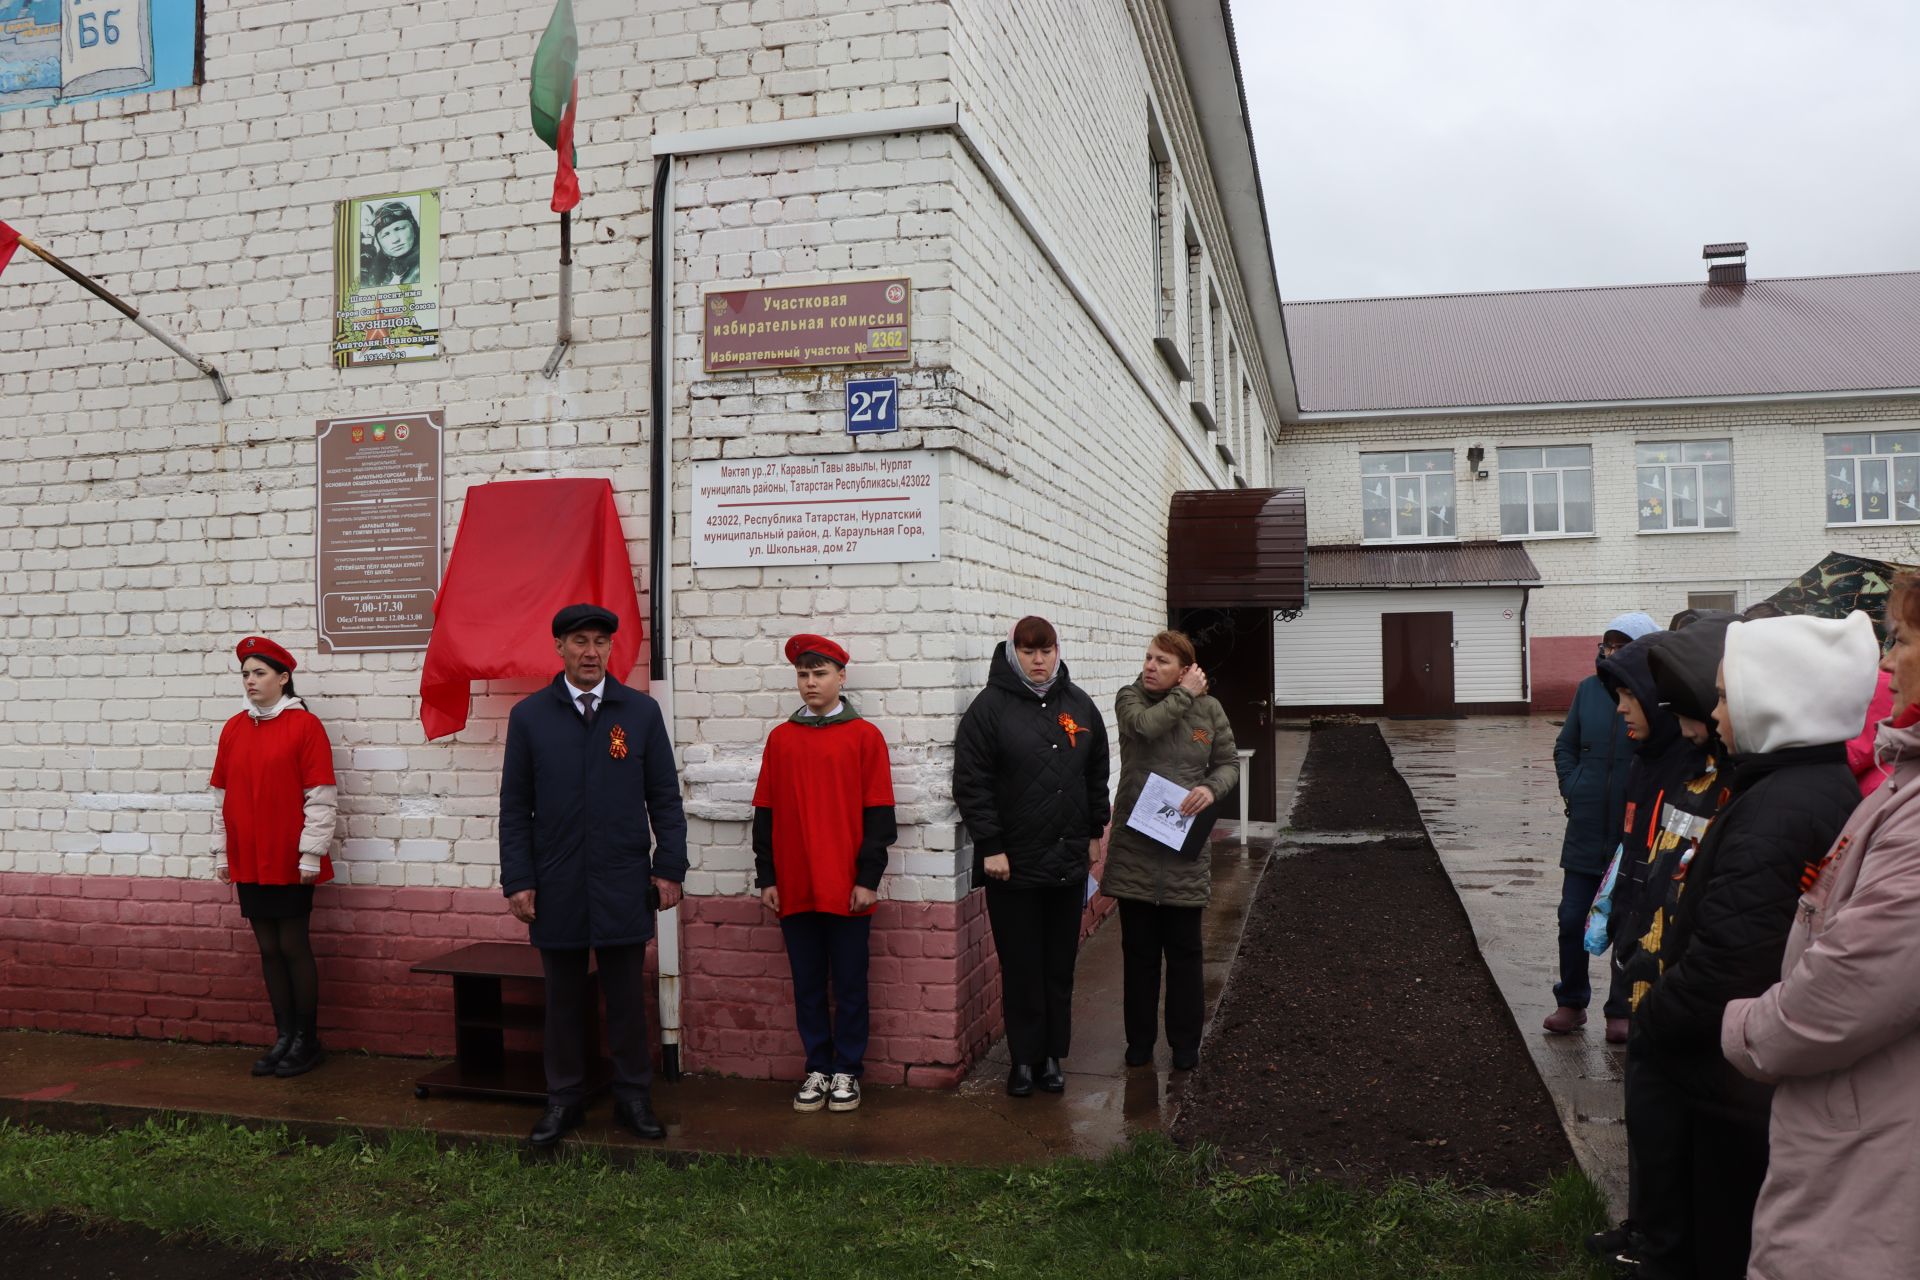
822, 821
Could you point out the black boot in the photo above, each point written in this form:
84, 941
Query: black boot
560, 1117
304, 1054
266, 1062
1020, 1080
1050, 1077
638, 1116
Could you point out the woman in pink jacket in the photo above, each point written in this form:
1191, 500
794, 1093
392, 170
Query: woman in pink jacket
1840, 1033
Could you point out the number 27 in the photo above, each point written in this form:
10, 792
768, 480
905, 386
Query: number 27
871, 405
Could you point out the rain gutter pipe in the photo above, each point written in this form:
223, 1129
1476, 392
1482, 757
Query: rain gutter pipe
659, 553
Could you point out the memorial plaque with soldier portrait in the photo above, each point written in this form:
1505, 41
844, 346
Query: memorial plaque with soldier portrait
387, 279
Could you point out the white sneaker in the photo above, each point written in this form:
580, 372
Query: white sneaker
844, 1095
813, 1092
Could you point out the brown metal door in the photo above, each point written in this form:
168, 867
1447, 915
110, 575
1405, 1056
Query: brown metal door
1416, 667
1235, 648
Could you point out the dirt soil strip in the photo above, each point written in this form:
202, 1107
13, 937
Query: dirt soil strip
60, 1248
1340, 783
1361, 1036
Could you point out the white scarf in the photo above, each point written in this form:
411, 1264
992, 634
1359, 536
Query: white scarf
268, 713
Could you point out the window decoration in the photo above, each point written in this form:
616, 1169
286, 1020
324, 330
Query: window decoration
1685, 485
1873, 477
1407, 497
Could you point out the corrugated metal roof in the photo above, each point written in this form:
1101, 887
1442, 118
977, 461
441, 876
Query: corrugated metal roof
1443, 564
1637, 342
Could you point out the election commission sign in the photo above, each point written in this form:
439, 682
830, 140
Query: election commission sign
843, 508
386, 270
853, 322
377, 531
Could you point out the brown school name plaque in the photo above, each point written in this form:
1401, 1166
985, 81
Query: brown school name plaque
852, 322
377, 531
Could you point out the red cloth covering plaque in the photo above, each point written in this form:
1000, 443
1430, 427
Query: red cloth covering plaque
525, 550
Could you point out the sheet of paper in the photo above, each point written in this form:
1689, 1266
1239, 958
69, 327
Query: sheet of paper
1157, 812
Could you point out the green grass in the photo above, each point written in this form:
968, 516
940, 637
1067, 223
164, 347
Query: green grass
405, 1210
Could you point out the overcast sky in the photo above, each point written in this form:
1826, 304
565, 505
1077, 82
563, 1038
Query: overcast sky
1435, 146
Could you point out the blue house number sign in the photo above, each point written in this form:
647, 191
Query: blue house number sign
873, 405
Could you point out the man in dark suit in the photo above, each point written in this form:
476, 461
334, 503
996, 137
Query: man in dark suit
588, 770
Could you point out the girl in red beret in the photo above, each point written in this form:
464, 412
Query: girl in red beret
273, 821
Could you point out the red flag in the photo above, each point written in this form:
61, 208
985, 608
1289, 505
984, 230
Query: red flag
566, 183
493, 618
10, 239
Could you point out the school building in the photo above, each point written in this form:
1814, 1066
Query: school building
1064, 192
1491, 477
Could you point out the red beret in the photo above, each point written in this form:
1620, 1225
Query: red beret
261, 647
816, 644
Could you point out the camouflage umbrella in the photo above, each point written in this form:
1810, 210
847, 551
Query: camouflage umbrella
1837, 586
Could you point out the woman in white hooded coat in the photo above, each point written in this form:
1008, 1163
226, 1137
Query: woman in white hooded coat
1839, 1035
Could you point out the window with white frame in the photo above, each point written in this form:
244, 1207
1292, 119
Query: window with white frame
1197, 356
1873, 478
1546, 490
1406, 496
1685, 485
1158, 180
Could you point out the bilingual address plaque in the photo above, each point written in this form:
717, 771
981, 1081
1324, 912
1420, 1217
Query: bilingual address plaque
843, 508
377, 531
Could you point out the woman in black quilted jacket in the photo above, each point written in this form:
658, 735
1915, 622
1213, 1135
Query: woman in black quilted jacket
1030, 778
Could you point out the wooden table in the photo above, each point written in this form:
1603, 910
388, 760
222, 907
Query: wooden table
482, 1065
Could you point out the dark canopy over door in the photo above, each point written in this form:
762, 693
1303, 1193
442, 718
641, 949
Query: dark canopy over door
1234, 556
1237, 549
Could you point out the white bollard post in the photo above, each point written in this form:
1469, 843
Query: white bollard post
1246, 758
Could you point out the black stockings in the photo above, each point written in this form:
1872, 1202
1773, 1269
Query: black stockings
286, 962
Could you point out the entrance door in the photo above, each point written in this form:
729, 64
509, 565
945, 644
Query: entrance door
1416, 667
1235, 649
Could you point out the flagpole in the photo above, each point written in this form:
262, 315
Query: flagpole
131, 312
565, 334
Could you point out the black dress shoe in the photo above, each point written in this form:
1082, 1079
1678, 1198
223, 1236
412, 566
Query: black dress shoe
1138, 1057
1185, 1059
638, 1116
1620, 1239
1051, 1077
1020, 1080
556, 1122
266, 1062
303, 1055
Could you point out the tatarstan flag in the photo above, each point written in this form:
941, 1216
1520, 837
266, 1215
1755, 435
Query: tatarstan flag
10, 240
555, 97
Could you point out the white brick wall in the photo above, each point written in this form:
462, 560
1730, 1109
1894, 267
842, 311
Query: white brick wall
144, 528
1779, 502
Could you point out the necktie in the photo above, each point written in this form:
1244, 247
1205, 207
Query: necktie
586, 708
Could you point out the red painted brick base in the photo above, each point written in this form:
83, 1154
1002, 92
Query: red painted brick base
1560, 663
141, 956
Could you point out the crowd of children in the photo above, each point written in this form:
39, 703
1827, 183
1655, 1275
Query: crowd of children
1765, 935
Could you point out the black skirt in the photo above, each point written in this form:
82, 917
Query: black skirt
274, 901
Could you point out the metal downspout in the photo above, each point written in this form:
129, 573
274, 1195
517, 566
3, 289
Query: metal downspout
1526, 651
659, 550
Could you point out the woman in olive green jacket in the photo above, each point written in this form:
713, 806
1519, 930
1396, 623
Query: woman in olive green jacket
1169, 726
